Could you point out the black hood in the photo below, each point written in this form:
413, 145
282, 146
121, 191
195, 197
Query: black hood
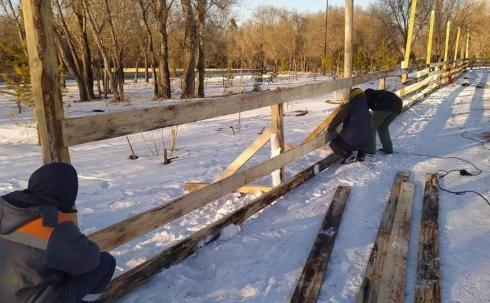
369, 93
56, 183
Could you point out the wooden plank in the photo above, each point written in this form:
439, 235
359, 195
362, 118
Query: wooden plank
105, 126
325, 123
140, 224
86, 129
427, 284
372, 277
46, 89
291, 146
139, 275
246, 155
247, 189
311, 278
392, 287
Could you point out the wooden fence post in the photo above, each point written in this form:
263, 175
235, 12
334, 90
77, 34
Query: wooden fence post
408, 46
43, 63
431, 34
457, 44
382, 83
277, 140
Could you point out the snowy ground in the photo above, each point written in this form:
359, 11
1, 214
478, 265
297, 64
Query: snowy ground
262, 261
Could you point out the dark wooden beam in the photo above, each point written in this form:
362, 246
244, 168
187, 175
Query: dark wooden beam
311, 278
427, 284
139, 275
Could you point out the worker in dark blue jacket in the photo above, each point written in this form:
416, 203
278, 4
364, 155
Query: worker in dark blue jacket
44, 258
356, 130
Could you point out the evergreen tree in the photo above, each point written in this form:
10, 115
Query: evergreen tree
18, 82
383, 58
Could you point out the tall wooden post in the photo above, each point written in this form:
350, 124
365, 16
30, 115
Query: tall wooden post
45, 79
277, 140
409, 39
349, 23
431, 34
457, 45
382, 83
447, 40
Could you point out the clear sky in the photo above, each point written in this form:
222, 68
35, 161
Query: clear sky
312, 6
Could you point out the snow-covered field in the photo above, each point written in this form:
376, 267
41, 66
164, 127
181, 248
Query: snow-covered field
262, 261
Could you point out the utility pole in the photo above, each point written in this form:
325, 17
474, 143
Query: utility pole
349, 12
326, 23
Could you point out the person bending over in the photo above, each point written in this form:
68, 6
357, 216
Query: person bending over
386, 106
356, 132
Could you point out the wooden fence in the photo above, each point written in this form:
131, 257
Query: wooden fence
104, 126
421, 82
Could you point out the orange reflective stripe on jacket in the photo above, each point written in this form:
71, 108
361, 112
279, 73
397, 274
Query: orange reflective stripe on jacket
34, 233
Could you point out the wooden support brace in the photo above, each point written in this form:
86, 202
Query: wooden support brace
311, 278
248, 153
139, 275
325, 123
372, 278
427, 284
247, 189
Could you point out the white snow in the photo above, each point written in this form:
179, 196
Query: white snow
262, 259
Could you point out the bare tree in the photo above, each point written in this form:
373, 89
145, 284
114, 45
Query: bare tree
161, 10
190, 45
73, 46
395, 16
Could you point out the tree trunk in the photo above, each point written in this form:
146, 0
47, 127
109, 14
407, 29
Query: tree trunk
102, 50
161, 84
75, 55
201, 68
190, 46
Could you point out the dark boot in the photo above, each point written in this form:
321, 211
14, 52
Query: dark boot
361, 155
349, 158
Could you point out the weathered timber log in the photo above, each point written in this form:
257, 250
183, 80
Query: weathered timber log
311, 278
372, 277
139, 275
427, 284
140, 224
392, 287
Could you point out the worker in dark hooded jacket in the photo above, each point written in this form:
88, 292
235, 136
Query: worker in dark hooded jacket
356, 131
386, 106
44, 258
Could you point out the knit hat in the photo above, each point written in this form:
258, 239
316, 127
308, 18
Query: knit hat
355, 92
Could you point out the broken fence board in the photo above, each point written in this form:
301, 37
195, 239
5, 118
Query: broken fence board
311, 278
139, 275
392, 288
372, 277
427, 284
